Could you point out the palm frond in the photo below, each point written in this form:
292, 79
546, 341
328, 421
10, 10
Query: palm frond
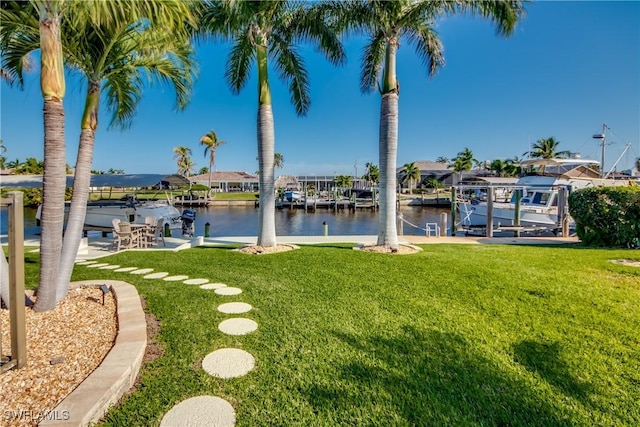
239, 62
427, 46
372, 61
291, 68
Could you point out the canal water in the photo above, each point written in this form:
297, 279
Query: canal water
243, 221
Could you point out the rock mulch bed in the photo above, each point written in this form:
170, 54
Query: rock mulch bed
78, 334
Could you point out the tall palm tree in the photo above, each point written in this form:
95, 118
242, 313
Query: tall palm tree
211, 142
410, 172
112, 46
464, 161
267, 33
373, 173
45, 16
547, 148
386, 23
182, 155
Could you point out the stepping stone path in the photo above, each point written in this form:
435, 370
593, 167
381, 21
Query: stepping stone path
126, 269
213, 286
234, 307
195, 281
200, 411
109, 267
86, 262
142, 271
175, 278
228, 291
100, 264
237, 326
156, 275
228, 363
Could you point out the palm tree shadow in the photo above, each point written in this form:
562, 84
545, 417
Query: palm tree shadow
546, 360
433, 378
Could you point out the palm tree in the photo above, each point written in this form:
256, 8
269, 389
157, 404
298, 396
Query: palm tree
386, 23
3, 150
343, 181
211, 142
182, 155
462, 162
278, 160
410, 172
264, 31
373, 173
499, 166
111, 48
45, 17
442, 159
546, 148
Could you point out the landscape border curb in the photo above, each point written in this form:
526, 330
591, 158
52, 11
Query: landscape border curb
118, 371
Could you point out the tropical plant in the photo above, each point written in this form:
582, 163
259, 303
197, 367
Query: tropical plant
432, 182
182, 156
442, 159
278, 160
372, 173
3, 150
410, 173
343, 181
386, 23
267, 32
500, 167
202, 171
211, 143
547, 148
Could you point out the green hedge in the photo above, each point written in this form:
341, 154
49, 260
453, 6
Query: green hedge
607, 216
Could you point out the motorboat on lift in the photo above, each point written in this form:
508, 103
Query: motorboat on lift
540, 194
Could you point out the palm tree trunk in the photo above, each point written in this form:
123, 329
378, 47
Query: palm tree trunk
81, 184
388, 152
266, 138
52, 215
266, 150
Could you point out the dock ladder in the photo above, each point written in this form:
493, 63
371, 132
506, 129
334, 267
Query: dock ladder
432, 227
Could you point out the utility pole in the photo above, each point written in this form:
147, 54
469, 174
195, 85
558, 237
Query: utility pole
602, 137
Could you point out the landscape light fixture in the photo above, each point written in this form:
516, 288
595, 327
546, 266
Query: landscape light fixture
105, 291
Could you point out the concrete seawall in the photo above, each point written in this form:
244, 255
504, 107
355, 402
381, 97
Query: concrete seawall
226, 203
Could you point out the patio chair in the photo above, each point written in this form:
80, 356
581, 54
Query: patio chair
123, 235
155, 232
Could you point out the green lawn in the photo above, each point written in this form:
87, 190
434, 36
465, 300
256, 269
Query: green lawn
455, 335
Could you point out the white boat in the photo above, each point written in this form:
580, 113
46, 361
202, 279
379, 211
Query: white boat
293, 196
539, 203
100, 215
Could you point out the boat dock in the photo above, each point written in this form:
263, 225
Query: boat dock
314, 204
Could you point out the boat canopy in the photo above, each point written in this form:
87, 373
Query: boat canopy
125, 180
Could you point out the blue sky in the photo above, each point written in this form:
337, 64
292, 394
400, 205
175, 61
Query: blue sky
568, 68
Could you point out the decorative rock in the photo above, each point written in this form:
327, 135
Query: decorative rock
228, 291
238, 326
175, 278
142, 271
109, 267
213, 286
200, 411
124, 269
100, 264
156, 275
234, 307
228, 363
195, 281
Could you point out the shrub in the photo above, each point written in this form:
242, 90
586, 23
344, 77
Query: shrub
607, 216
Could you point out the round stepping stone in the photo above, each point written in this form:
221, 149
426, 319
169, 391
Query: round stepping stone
228, 363
109, 267
200, 411
228, 291
156, 275
175, 278
213, 286
234, 307
142, 271
100, 264
195, 281
238, 326
123, 269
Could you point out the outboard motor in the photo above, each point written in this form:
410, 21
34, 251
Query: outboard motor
188, 222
